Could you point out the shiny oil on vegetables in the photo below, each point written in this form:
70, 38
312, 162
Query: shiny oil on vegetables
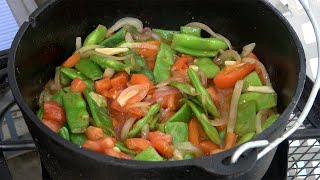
152, 94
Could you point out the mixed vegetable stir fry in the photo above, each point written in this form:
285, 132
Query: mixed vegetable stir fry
151, 94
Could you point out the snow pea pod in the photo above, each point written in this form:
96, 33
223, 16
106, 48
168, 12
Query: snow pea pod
251, 79
99, 114
40, 113
123, 148
89, 69
164, 62
246, 118
194, 31
64, 79
104, 63
96, 36
149, 154
140, 67
57, 97
184, 114
165, 35
178, 131
263, 100
246, 137
115, 39
207, 66
64, 132
195, 52
184, 87
78, 139
72, 73
203, 95
270, 121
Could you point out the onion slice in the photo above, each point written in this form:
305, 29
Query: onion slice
187, 147
229, 63
126, 127
128, 38
261, 66
57, 78
93, 52
210, 31
261, 89
229, 54
177, 155
139, 104
218, 122
108, 72
97, 98
130, 92
78, 43
87, 48
261, 116
247, 49
234, 106
125, 21
140, 45
111, 51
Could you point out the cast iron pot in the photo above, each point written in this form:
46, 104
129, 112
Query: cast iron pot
49, 38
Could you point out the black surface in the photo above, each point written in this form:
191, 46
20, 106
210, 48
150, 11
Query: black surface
49, 38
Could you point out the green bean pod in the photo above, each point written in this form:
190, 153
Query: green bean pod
195, 52
154, 121
89, 69
96, 36
115, 39
104, 63
72, 73
184, 87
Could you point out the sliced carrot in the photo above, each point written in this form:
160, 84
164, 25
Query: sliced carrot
112, 152
149, 53
151, 64
72, 60
230, 140
214, 95
53, 125
193, 128
54, 112
208, 146
94, 133
137, 144
77, 85
119, 79
102, 85
92, 145
182, 62
141, 79
106, 143
252, 55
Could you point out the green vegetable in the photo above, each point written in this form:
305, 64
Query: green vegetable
194, 31
76, 112
184, 114
64, 132
188, 156
210, 130
40, 113
164, 62
184, 87
140, 67
123, 148
246, 118
203, 96
208, 67
153, 110
178, 131
263, 100
57, 97
251, 79
96, 36
78, 138
66, 89
115, 39
104, 63
246, 137
99, 114
149, 154
161, 127
194, 52
64, 79
154, 121
222, 134
198, 43
270, 121
165, 35
89, 69
72, 73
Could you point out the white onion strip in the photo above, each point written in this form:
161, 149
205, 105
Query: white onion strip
87, 48
209, 30
78, 43
218, 122
140, 45
126, 127
247, 49
261, 116
92, 52
229, 63
261, 66
125, 21
229, 53
111, 51
57, 79
234, 106
132, 91
261, 89
128, 38
187, 147
108, 72
139, 104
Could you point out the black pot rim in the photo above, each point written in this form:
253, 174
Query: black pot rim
142, 164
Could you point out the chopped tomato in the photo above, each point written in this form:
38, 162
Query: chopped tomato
229, 75
119, 79
92, 145
182, 62
214, 95
171, 101
106, 142
125, 156
116, 106
72, 60
112, 152
194, 135
141, 79
103, 85
94, 133
114, 92
136, 112
208, 146
54, 112
162, 143
137, 144
53, 125
149, 53
77, 85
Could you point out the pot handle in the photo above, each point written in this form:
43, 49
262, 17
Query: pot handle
305, 111
7, 100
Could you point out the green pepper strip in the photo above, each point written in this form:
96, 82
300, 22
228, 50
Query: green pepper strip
198, 43
184, 114
99, 114
164, 62
57, 97
78, 138
64, 132
76, 112
184, 87
123, 148
165, 35
194, 31
203, 96
89, 69
142, 122
154, 121
72, 73
104, 63
210, 131
40, 113
96, 36
194, 52
115, 39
